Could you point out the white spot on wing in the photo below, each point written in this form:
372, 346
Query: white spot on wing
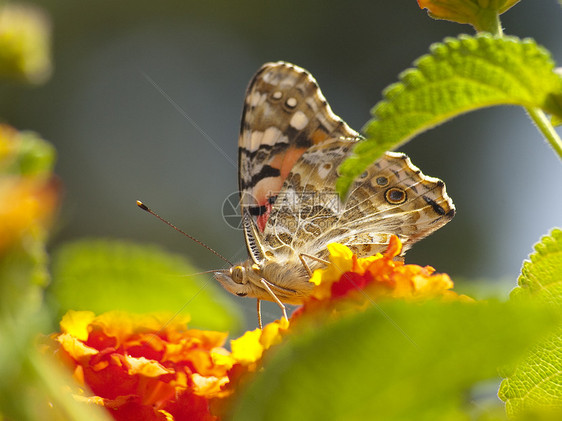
323, 171
299, 120
273, 136
255, 140
311, 101
270, 77
255, 99
291, 102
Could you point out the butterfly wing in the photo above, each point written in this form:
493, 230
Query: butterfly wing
391, 197
290, 147
284, 114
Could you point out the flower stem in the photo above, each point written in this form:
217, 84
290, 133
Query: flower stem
498, 30
540, 119
489, 21
537, 115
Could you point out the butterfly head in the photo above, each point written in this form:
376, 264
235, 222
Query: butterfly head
237, 279
287, 281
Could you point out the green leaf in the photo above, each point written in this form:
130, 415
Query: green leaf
535, 384
35, 155
104, 275
460, 75
399, 361
26, 153
541, 276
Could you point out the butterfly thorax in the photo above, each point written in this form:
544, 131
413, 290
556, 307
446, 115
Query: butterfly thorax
289, 280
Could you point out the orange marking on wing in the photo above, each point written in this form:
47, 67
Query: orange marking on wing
271, 186
291, 157
318, 136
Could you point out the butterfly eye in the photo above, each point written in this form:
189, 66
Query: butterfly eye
382, 181
238, 274
364, 175
395, 196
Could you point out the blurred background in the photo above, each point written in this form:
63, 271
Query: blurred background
142, 91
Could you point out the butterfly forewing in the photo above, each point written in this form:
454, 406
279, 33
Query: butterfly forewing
284, 114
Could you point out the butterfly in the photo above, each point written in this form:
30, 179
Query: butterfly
289, 150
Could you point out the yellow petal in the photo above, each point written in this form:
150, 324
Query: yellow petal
247, 348
205, 386
145, 367
74, 347
271, 334
223, 358
76, 323
341, 258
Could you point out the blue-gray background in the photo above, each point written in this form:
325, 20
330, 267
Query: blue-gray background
119, 139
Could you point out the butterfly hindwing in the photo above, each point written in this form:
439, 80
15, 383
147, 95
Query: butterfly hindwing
391, 197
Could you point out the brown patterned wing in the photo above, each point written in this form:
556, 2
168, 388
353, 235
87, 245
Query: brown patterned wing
284, 114
391, 197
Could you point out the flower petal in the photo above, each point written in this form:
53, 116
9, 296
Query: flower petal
76, 323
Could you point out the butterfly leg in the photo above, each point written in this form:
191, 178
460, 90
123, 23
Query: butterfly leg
259, 313
279, 303
306, 267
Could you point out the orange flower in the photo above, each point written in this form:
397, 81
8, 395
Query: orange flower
28, 192
465, 11
143, 367
150, 368
349, 279
27, 207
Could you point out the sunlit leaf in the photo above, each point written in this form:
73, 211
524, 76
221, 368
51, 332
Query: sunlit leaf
395, 362
460, 75
535, 384
541, 276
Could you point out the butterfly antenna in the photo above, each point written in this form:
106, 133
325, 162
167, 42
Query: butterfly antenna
150, 211
204, 272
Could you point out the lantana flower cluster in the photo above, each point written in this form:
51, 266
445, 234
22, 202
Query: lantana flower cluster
352, 282
151, 367
155, 368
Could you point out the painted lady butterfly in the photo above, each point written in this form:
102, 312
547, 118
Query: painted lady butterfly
290, 147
